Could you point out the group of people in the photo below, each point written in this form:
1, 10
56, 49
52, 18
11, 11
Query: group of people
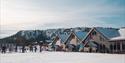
22, 49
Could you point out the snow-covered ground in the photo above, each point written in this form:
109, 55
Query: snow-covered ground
61, 57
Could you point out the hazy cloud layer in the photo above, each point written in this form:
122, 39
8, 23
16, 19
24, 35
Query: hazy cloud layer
44, 14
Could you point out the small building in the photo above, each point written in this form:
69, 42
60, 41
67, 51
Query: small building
74, 39
58, 43
117, 44
102, 40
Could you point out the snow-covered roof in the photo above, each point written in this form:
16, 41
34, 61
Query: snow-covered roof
108, 32
80, 34
122, 35
118, 38
122, 32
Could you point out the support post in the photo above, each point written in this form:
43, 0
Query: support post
121, 47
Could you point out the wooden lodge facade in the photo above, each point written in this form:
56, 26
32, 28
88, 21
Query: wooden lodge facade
58, 44
73, 42
102, 40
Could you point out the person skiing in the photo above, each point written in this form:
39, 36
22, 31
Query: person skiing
23, 49
16, 48
4, 49
31, 48
10, 49
35, 48
41, 48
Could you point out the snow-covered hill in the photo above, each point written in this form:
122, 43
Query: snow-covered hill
28, 34
61, 57
39, 35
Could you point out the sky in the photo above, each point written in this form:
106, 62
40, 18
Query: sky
46, 14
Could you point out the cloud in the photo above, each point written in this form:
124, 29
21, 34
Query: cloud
42, 14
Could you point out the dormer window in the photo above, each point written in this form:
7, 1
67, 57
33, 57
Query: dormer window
94, 33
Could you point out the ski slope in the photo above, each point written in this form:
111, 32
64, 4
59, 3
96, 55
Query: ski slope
61, 57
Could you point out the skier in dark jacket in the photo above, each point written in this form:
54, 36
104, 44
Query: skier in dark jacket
23, 49
10, 49
31, 48
4, 49
35, 49
40, 48
16, 48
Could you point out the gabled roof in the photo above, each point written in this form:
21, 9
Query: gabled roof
108, 32
80, 34
63, 37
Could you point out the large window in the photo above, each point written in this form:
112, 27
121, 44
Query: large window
118, 46
123, 46
114, 46
111, 47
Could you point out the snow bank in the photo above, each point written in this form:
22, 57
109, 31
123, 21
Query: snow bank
61, 57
